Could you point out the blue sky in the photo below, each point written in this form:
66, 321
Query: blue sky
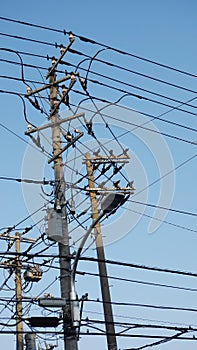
164, 32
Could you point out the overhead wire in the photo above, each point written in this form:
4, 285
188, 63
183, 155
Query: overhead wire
164, 340
128, 93
136, 125
91, 41
140, 267
146, 283
98, 60
161, 220
136, 111
21, 62
140, 319
134, 72
184, 212
23, 101
151, 306
111, 79
31, 181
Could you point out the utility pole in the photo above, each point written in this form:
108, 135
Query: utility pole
18, 289
109, 322
70, 338
57, 216
30, 341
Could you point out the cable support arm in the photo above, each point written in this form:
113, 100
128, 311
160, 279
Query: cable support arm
62, 52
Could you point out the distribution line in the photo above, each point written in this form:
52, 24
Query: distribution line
141, 267
160, 220
103, 84
101, 61
134, 72
127, 94
152, 284
88, 40
184, 212
122, 279
130, 123
151, 306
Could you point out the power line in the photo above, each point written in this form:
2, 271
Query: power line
134, 124
111, 262
152, 284
164, 208
28, 39
160, 220
36, 182
106, 77
143, 325
142, 267
164, 340
128, 93
130, 123
151, 306
134, 72
85, 39
23, 220
99, 60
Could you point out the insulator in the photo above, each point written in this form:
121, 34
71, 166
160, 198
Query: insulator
111, 153
29, 127
116, 184
62, 49
28, 89
77, 131
72, 206
64, 89
53, 60
71, 36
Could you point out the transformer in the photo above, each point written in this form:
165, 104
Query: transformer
55, 231
33, 274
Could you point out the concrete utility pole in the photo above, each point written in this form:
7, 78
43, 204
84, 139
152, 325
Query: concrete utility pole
18, 289
109, 322
30, 341
70, 339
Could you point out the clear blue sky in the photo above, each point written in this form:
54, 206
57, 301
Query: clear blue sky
164, 32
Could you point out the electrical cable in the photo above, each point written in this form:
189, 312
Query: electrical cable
143, 325
36, 182
141, 126
23, 220
21, 62
152, 284
98, 60
164, 340
124, 92
133, 72
110, 86
14, 36
23, 101
119, 81
161, 220
143, 113
184, 212
141, 267
112, 262
151, 306
88, 40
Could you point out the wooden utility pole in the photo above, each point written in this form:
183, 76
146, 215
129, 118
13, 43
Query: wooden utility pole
18, 289
109, 322
70, 339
